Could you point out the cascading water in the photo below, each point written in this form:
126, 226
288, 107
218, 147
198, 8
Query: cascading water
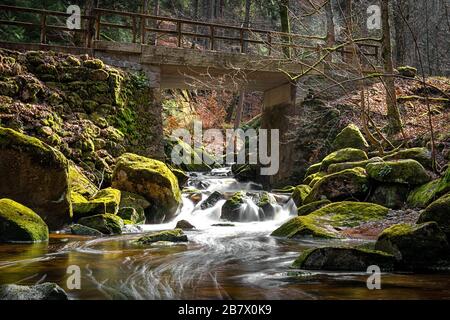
222, 260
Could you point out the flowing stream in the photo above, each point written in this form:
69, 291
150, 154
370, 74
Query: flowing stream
238, 261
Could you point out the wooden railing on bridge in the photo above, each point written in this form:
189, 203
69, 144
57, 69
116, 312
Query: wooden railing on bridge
144, 25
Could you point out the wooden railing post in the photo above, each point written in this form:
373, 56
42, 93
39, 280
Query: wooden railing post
211, 37
98, 18
43, 31
134, 28
179, 36
143, 24
241, 37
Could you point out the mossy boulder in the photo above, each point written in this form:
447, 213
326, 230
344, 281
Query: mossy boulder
132, 215
350, 137
347, 184
153, 180
407, 71
232, 208
390, 195
414, 246
35, 175
311, 207
408, 172
80, 184
135, 201
182, 176
421, 155
313, 169
313, 178
300, 193
343, 259
81, 230
176, 235
330, 220
42, 291
95, 64
333, 168
19, 223
344, 155
438, 211
105, 223
105, 201
266, 202
422, 196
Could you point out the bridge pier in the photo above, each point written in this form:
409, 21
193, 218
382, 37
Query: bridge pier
278, 109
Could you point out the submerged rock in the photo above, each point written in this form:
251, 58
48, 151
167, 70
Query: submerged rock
344, 155
415, 247
402, 171
438, 211
153, 180
343, 259
35, 175
347, 184
105, 223
176, 235
184, 225
81, 230
43, 291
330, 220
19, 223
105, 201
350, 137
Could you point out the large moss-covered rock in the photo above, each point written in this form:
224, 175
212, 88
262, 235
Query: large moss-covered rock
35, 175
422, 196
350, 137
81, 230
390, 195
231, 209
153, 180
347, 184
421, 155
438, 211
344, 155
330, 220
343, 259
313, 178
414, 246
176, 235
19, 223
336, 167
300, 193
80, 184
43, 291
105, 223
105, 201
403, 171
311, 207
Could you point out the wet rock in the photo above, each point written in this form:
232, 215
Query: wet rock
350, 137
19, 223
105, 223
311, 207
136, 202
344, 155
182, 177
422, 196
312, 179
175, 235
402, 171
184, 225
415, 247
212, 200
231, 209
35, 175
266, 202
300, 193
331, 220
105, 201
347, 184
390, 195
421, 155
80, 184
151, 179
438, 211
343, 259
43, 291
132, 215
81, 230
223, 225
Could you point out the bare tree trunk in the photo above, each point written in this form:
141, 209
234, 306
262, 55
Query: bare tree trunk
285, 26
239, 109
331, 36
395, 123
155, 23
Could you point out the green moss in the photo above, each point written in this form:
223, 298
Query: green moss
80, 183
311, 207
105, 201
9, 88
350, 137
132, 215
403, 171
19, 223
336, 167
407, 71
327, 221
344, 155
300, 193
438, 211
421, 155
105, 223
176, 235
313, 178
313, 169
425, 194
94, 64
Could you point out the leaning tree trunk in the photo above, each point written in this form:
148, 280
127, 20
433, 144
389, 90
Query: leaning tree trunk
285, 27
395, 123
